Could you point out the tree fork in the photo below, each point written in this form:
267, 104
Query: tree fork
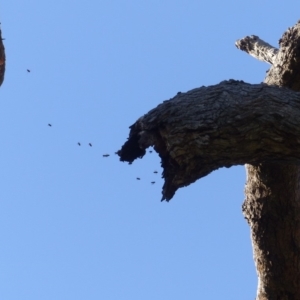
272, 204
236, 123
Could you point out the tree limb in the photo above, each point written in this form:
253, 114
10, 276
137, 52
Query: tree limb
257, 48
236, 123
207, 128
285, 61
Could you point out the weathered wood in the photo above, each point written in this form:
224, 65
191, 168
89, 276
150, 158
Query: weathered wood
285, 70
272, 209
236, 123
258, 48
207, 128
2, 59
272, 204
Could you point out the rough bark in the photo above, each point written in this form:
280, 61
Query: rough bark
207, 128
272, 210
236, 123
272, 205
258, 48
2, 59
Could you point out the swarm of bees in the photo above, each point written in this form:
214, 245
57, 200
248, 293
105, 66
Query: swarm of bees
104, 155
107, 155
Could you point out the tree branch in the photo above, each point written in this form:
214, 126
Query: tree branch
207, 128
285, 61
236, 123
257, 48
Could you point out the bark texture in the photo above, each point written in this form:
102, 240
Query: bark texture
272, 204
236, 123
207, 128
258, 48
2, 59
272, 210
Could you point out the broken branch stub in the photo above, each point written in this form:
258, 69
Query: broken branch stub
231, 123
257, 48
285, 61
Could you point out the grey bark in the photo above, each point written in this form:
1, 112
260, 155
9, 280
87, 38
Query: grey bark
207, 128
236, 123
2, 59
272, 204
258, 48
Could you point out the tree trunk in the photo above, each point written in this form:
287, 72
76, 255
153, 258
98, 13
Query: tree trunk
236, 123
272, 209
272, 204
2, 59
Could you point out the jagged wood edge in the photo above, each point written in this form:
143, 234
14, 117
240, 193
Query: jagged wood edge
132, 149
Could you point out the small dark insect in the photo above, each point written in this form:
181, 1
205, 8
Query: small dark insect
90, 145
138, 178
105, 155
155, 172
79, 144
152, 182
150, 151
28, 70
49, 125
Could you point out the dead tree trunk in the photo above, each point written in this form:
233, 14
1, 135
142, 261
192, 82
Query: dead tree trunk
2, 59
236, 123
272, 204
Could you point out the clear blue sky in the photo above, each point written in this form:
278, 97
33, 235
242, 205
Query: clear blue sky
75, 225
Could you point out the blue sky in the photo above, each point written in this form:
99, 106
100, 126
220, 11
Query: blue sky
75, 225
